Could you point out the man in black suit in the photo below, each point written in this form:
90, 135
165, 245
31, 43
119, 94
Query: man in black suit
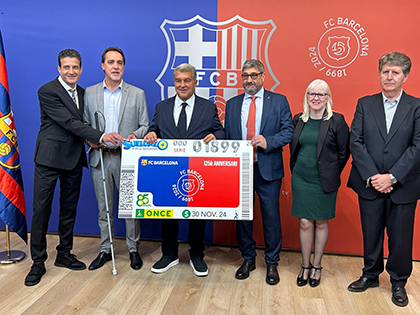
184, 116
60, 154
385, 145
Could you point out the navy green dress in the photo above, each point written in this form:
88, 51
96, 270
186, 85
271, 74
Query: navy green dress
309, 199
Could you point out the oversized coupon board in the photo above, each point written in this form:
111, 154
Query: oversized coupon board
186, 179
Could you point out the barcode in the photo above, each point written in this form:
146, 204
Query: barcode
246, 194
126, 193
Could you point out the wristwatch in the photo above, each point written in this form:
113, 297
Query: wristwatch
393, 179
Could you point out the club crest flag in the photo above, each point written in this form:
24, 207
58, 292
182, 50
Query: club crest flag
12, 201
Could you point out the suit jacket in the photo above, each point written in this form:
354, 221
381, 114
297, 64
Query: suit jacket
204, 120
60, 141
374, 151
276, 127
133, 114
332, 149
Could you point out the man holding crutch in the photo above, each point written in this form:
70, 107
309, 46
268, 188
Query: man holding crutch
119, 107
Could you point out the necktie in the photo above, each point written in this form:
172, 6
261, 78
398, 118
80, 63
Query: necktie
182, 122
73, 95
250, 124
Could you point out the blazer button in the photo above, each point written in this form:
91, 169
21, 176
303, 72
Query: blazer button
385, 152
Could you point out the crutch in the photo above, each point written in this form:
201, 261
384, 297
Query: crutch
111, 241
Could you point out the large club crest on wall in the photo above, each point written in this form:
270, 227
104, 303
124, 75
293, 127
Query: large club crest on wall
217, 50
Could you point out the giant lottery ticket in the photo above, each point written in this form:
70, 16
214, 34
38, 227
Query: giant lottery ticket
186, 179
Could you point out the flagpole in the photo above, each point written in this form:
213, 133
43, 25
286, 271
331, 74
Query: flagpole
10, 256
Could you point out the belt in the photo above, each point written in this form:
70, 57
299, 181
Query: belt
111, 150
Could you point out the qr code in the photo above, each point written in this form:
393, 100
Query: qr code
126, 192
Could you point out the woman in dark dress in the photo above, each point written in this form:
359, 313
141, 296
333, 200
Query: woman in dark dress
319, 152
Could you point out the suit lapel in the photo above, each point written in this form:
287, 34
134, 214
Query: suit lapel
80, 99
237, 113
124, 97
69, 103
169, 113
402, 110
378, 107
195, 117
266, 109
100, 98
296, 135
323, 129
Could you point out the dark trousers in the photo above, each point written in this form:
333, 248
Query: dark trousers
398, 219
45, 179
269, 194
196, 231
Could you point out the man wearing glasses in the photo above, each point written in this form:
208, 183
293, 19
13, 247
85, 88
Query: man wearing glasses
264, 118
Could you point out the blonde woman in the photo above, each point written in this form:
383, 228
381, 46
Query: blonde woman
319, 152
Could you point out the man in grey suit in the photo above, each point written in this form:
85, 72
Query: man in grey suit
125, 112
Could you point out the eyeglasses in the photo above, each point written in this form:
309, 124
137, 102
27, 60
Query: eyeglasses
321, 96
253, 76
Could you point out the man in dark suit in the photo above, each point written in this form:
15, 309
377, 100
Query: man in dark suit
184, 116
60, 154
385, 145
264, 118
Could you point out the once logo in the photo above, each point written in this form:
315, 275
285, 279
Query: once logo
154, 213
339, 46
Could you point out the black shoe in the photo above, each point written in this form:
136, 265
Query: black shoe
199, 266
244, 270
362, 284
69, 261
301, 281
100, 260
136, 262
35, 274
399, 296
272, 275
164, 264
313, 281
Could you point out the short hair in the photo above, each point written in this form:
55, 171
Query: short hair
324, 86
395, 58
186, 67
253, 63
112, 48
71, 53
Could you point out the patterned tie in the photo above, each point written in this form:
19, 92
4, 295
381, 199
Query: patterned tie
250, 124
73, 95
182, 122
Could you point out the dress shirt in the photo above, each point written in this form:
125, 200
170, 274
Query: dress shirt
258, 111
188, 109
112, 102
390, 108
69, 89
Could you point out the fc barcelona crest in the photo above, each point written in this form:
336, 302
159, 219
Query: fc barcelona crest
9, 154
217, 50
338, 47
